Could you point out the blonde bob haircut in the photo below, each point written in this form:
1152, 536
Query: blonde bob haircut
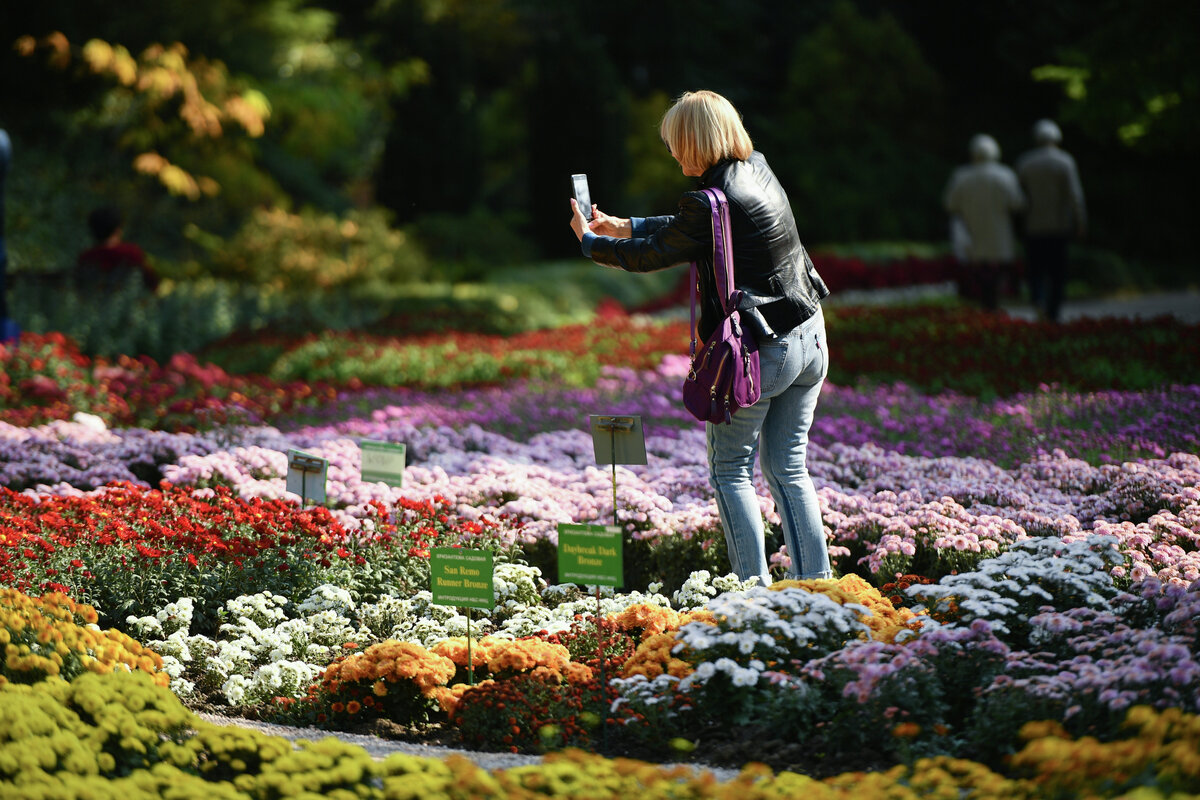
703, 128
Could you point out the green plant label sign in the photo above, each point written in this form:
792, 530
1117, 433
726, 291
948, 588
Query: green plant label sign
461, 577
383, 462
590, 554
306, 476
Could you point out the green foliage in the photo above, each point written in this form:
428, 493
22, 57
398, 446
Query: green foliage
575, 286
1133, 79
165, 108
671, 560
377, 286
338, 360
572, 355
1129, 101
495, 308
666, 560
115, 322
42, 229
461, 116
861, 116
183, 98
469, 247
328, 113
141, 586
127, 319
655, 180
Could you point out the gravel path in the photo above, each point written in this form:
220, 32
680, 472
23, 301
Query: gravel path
382, 748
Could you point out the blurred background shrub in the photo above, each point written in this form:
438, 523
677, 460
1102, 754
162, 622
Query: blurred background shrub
187, 315
311, 251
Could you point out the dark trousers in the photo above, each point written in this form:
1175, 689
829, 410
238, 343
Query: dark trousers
1046, 260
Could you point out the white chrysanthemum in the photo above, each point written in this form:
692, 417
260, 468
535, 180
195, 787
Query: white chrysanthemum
176, 670
175, 646
743, 677
281, 679
229, 659
263, 609
328, 597
234, 689
383, 617
701, 586
177, 616
517, 582
144, 628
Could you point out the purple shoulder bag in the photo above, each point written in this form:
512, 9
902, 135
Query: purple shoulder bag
724, 375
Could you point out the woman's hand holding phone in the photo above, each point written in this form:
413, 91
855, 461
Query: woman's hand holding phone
602, 224
606, 225
579, 222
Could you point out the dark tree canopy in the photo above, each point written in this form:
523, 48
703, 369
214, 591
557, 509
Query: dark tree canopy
479, 109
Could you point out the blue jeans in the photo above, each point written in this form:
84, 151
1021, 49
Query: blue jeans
793, 370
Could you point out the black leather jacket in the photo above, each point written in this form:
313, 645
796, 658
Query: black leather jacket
770, 264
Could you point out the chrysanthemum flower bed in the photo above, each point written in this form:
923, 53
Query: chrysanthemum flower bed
1019, 578
934, 349
122, 733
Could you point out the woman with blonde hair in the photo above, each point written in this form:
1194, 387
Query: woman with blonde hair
781, 304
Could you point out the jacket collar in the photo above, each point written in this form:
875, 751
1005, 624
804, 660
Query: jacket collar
711, 174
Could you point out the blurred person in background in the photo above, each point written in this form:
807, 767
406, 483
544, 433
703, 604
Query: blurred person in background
110, 258
1055, 216
982, 198
781, 303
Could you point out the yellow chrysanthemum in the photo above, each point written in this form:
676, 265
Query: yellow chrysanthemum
525, 655
50, 635
1163, 743
479, 653
885, 620
653, 657
390, 661
646, 618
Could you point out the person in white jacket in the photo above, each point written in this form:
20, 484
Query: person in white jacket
982, 197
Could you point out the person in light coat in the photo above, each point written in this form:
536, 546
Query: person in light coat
982, 197
1056, 215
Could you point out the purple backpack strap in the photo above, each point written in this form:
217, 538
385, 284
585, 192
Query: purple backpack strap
722, 248
722, 258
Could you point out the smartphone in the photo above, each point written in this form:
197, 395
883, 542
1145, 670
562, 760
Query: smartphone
579, 189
